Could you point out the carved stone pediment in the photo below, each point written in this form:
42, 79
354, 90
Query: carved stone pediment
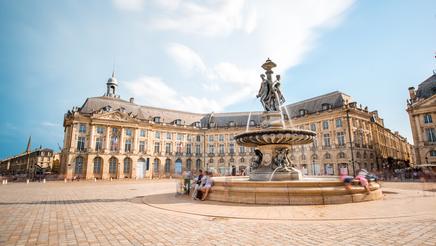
115, 116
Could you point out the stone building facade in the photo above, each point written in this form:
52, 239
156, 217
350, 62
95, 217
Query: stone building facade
421, 107
108, 137
28, 163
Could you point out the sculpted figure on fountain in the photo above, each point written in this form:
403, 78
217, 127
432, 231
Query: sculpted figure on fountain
269, 93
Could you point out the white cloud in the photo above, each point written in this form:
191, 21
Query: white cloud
186, 58
224, 44
129, 5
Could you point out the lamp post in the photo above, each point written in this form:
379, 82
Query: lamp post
351, 143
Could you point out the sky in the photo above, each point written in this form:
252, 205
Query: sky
205, 56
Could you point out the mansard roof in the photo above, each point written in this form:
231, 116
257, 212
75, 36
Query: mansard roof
334, 99
237, 119
427, 88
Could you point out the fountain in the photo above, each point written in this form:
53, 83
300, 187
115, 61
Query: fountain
273, 178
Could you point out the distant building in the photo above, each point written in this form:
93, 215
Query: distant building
421, 107
108, 137
28, 163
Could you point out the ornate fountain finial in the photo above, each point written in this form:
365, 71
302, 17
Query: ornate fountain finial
268, 65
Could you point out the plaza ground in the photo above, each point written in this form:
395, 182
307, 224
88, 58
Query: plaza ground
148, 213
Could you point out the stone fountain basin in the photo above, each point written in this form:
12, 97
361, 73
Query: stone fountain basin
285, 136
309, 191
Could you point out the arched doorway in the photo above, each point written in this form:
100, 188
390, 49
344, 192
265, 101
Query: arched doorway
78, 167
113, 162
98, 163
140, 168
167, 167
198, 164
156, 165
178, 167
127, 170
188, 165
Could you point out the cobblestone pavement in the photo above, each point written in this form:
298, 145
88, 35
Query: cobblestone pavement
113, 213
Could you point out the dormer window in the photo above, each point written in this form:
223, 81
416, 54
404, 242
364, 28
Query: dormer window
178, 122
252, 123
326, 106
197, 124
212, 124
231, 123
302, 112
156, 119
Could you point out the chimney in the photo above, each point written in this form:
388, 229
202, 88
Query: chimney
132, 100
412, 93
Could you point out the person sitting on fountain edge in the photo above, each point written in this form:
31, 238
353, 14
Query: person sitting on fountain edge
209, 183
197, 185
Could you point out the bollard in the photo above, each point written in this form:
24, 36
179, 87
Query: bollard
43, 181
65, 180
95, 179
111, 178
27, 181
6, 181
3, 182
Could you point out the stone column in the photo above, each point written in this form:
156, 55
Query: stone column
136, 141
73, 137
89, 167
107, 141
122, 140
91, 139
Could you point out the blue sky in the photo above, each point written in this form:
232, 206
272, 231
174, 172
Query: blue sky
205, 56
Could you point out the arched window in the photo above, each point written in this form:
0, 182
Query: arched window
97, 165
127, 166
327, 156
314, 157
242, 160
365, 155
78, 169
198, 164
188, 164
113, 166
302, 112
167, 166
156, 166
303, 157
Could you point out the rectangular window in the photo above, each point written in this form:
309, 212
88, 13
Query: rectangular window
325, 125
100, 129
313, 127
142, 133
98, 144
341, 138
128, 132
157, 147
188, 148
197, 149
241, 149
211, 149
168, 148
114, 143
179, 148
210, 138
180, 137
221, 148
128, 145
189, 137
232, 137
221, 138
82, 128
81, 143
338, 122
142, 146
232, 148
431, 136
157, 135
198, 138
114, 131
169, 135
327, 140
428, 119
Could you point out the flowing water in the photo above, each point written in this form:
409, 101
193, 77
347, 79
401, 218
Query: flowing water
272, 174
289, 116
248, 122
280, 107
